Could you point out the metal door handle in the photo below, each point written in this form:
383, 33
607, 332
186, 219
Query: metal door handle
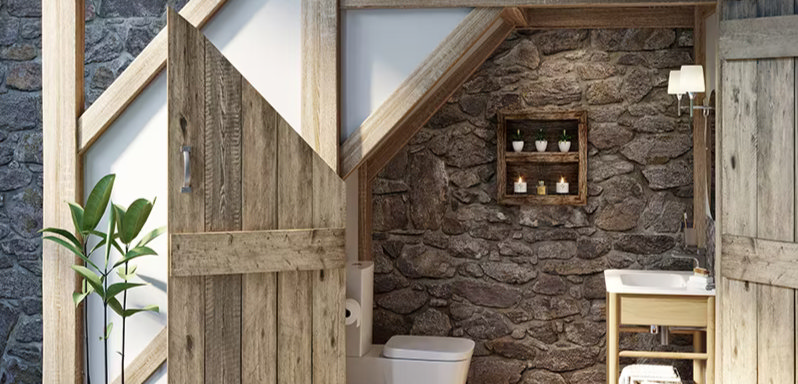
186, 170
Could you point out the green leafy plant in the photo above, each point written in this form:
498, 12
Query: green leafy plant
517, 136
540, 136
565, 136
124, 225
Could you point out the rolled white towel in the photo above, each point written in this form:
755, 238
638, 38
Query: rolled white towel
634, 374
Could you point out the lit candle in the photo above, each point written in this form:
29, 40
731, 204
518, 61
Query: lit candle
520, 185
562, 186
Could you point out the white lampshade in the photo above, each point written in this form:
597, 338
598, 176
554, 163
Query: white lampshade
674, 83
691, 78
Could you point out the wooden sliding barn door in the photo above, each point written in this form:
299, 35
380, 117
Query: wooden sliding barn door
256, 217
759, 254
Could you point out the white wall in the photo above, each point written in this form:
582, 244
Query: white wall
262, 40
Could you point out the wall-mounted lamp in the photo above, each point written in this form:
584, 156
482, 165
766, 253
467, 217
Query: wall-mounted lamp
689, 79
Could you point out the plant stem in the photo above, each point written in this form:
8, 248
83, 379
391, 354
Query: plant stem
124, 307
105, 330
86, 326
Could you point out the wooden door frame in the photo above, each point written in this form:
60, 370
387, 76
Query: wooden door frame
69, 131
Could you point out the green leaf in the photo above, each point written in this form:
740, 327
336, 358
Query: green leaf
102, 242
114, 304
98, 202
108, 329
115, 289
72, 248
91, 277
68, 235
109, 236
136, 253
134, 220
77, 297
120, 216
149, 308
126, 276
151, 236
77, 216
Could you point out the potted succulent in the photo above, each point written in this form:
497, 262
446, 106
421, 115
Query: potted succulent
540, 141
565, 142
518, 141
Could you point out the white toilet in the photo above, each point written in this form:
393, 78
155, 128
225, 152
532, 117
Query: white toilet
413, 360
404, 359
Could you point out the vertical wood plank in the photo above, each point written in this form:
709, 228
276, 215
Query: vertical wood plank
294, 289
186, 102
329, 286
365, 217
222, 212
613, 322
259, 290
776, 196
709, 369
62, 103
320, 78
700, 167
739, 216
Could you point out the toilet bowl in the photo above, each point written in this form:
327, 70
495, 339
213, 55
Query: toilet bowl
413, 360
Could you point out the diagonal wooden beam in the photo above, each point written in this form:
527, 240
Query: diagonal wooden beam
147, 362
410, 98
148, 64
62, 101
516, 16
367, 4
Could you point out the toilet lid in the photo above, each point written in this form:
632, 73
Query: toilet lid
433, 348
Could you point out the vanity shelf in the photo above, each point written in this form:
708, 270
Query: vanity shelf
549, 166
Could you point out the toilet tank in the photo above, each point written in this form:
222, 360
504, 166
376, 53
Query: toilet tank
427, 359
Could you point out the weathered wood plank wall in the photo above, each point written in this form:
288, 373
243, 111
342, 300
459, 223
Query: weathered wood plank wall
251, 172
758, 200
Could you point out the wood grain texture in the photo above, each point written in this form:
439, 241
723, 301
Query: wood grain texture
762, 261
613, 339
222, 143
62, 102
739, 216
130, 83
223, 178
259, 198
411, 93
485, 44
366, 4
764, 37
186, 109
677, 311
148, 361
515, 16
294, 289
365, 216
624, 17
700, 168
224, 253
321, 79
329, 283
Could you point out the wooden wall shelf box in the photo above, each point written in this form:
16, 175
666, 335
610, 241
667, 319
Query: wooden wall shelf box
548, 166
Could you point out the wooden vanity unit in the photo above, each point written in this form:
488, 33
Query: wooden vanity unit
635, 312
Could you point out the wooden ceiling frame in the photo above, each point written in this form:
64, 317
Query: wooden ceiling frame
69, 132
404, 4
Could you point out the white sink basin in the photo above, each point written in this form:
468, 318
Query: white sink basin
652, 283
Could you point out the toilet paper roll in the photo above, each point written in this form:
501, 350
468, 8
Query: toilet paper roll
352, 312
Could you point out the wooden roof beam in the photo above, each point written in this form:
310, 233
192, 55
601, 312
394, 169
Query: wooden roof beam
427, 88
623, 17
367, 4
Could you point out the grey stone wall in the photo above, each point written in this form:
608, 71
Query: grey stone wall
526, 282
116, 31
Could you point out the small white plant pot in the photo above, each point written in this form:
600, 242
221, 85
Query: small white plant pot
541, 145
518, 146
565, 146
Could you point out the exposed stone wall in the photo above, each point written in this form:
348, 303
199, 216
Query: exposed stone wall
526, 282
116, 31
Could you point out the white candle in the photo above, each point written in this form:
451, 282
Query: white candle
562, 186
520, 185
